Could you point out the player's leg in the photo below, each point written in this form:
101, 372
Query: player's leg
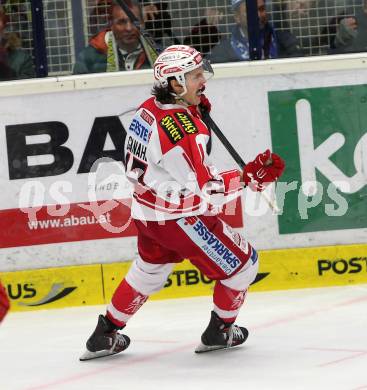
228, 298
143, 278
221, 254
224, 255
141, 281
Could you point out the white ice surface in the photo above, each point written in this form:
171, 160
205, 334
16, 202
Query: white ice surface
299, 339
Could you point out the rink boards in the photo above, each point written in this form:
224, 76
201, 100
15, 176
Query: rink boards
94, 284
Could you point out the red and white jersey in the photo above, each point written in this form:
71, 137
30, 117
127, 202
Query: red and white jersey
166, 160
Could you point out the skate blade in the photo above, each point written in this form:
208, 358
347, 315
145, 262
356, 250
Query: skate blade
201, 348
88, 355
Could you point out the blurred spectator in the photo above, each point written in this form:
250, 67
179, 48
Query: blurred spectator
205, 35
236, 47
157, 19
351, 33
15, 62
116, 48
158, 22
98, 16
298, 9
308, 20
292, 20
19, 16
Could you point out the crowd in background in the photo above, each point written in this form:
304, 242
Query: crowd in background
221, 32
15, 62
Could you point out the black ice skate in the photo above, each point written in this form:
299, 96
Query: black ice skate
105, 341
220, 335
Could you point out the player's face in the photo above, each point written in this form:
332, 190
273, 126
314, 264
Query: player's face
195, 83
125, 32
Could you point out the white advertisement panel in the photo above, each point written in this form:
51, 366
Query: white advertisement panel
55, 212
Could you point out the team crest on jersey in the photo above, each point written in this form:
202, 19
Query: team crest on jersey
147, 117
171, 128
186, 123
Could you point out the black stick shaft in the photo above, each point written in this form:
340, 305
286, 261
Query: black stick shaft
223, 139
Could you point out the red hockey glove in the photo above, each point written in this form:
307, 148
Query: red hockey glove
205, 105
266, 168
4, 303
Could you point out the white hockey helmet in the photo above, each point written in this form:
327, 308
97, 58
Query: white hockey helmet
177, 60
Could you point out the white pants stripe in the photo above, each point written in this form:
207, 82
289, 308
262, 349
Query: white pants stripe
118, 315
226, 314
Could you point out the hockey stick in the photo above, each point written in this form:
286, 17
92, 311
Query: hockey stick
231, 150
152, 52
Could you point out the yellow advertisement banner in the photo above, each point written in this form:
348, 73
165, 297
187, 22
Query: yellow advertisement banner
54, 287
184, 281
94, 284
313, 267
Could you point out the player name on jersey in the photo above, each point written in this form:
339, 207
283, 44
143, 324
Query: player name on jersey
136, 148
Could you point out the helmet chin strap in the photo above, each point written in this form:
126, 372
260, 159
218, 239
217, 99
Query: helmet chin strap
179, 96
181, 100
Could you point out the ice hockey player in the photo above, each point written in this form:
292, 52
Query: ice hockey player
177, 195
